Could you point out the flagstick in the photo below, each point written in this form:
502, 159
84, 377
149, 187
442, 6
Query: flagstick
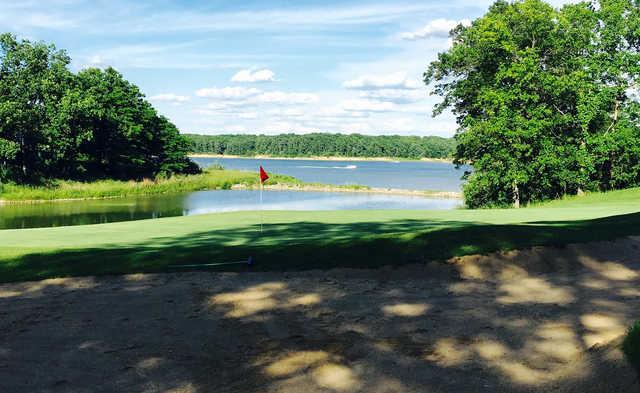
261, 186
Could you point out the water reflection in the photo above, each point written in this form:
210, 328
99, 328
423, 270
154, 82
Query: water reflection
411, 175
201, 202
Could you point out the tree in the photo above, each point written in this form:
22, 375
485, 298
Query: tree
33, 80
541, 99
324, 144
94, 124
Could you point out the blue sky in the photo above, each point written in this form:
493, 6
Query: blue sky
262, 66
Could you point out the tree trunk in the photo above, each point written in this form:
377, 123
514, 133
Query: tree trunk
516, 196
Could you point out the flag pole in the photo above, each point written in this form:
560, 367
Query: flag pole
263, 177
261, 186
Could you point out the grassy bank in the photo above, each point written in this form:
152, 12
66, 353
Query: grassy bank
212, 179
307, 239
209, 180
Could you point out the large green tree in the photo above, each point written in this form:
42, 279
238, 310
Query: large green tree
543, 99
93, 124
33, 81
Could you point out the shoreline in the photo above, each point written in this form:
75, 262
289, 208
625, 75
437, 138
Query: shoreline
270, 187
273, 187
363, 190
322, 158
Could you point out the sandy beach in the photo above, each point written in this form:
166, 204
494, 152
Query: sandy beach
364, 190
537, 320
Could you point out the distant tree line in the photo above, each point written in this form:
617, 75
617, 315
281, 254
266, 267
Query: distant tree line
325, 145
546, 99
82, 126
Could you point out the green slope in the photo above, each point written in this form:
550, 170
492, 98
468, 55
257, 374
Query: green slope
302, 240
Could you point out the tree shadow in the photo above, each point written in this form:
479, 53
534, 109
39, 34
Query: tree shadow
314, 245
521, 321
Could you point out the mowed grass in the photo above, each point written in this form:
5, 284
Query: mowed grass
213, 179
306, 239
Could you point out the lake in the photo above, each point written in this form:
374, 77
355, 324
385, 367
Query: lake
382, 174
411, 175
50, 214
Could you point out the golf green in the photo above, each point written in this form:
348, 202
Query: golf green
316, 239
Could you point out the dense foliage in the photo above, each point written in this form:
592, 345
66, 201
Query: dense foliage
93, 124
324, 145
631, 346
545, 99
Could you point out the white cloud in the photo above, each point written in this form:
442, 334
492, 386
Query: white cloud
278, 18
263, 75
286, 112
48, 21
435, 28
183, 55
125, 17
170, 97
19, 17
396, 80
96, 60
277, 127
248, 115
360, 105
339, 113
233, 96
394, 95
281, 97
228, 93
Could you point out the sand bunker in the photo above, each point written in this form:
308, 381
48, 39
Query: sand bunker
524, 321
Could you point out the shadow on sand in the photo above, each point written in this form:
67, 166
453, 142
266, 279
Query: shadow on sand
520, 321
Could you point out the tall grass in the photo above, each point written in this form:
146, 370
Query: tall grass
211, 179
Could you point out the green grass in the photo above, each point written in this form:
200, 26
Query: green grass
213, 179
631, 346
305, 240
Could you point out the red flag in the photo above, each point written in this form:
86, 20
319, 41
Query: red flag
263, 175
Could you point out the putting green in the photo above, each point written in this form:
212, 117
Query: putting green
311, 239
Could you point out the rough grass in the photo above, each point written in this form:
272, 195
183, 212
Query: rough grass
213, 179
594, 198
308, 240
631, 346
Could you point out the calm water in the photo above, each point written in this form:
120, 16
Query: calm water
408, 175
412, 175
126, 209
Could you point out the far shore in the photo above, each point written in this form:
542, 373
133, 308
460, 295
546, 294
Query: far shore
364, 190
208, 180
323, 158
271, 187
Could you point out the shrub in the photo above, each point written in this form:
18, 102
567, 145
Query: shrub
631, 346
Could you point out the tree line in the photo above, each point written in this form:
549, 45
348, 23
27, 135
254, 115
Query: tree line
324, 145
56, 124
546, 99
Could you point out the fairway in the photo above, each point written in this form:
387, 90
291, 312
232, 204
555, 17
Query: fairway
295, 240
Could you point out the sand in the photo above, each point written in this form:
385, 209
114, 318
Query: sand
537, 320
348, 189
